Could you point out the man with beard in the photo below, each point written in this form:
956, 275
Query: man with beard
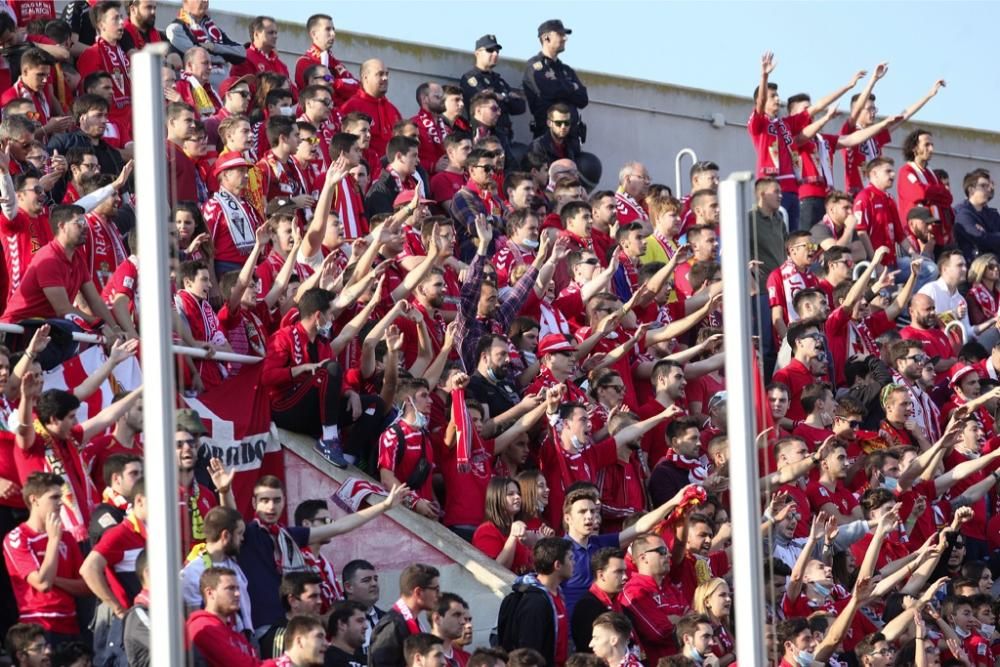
305, 644
210, 631
371, 100
948, 301
918, 186
557, 143
361, 587
491, 384
682, 464
347, 628
920, 224
925, 327
809, 363
224, 529
140, 27
431, 126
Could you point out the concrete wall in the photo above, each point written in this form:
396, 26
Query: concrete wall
628, 119
397, 539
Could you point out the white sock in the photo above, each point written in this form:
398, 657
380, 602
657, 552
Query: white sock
330, 432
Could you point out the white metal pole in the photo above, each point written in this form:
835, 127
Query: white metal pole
152, 215
744, 486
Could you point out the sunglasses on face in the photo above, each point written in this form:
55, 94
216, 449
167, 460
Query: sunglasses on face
593, 261
660, 550
488, 168
561, 123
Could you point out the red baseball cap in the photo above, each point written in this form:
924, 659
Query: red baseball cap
958, 371
231, 82
405, 197
230, 160
554, 343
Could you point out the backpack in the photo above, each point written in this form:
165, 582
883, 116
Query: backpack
506, 633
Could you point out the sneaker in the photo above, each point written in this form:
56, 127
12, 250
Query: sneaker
330, 450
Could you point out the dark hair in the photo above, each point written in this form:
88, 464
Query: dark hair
419, 644
308, 509
64, 213
293, 584
872, 499
813, 394
38, 483
315, 19
301, 625
681, 425
877, 162
525, 657
805, 294
798, 330
547, 552
218, 519
314, 300
189, 270
400, 144
75, 155
98, 11
688, 625
601, 558
496, 503
487, 657
35, 57
867, 644
969, 182
790, 628
573, 209
279, 126
55, 403
353, 566
341, 612
355, 117
21, 635
257, 24
416, 576
211, 577
911, 142
116, 464
445, 601
341, 143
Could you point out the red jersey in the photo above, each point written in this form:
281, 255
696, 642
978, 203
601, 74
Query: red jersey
491, 541
104, 56
465, 502
417, 444
936, 343
918, 186
218, 642
49, 268
879, 218
444, 185
349, 204
623, 493
344, 83
40, 98
629, 210
840, 497
846, 338
258, 62
816, 159
96, 453
813, 436
508, 258
384, 115
21, 237
281, 179
784, 283
650, 605
796, 377
856, 156
120, 545
54, 609
124, 281
33, 10
562, 468
774, 141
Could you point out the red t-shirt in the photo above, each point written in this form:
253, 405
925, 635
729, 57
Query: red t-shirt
490, 541
49, 268
561, 469
97, 452
813, 436
416, 441
465, 502
936, 343
55, 609
842, 499
816, 158
857, 156
21, 237
445, 184
796, 377
847, 338
879, 218
120, 545
774, 140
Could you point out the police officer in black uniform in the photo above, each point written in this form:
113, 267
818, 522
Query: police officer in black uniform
547, 80
484, 77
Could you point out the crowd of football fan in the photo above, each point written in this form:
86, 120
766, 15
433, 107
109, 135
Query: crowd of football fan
532, 362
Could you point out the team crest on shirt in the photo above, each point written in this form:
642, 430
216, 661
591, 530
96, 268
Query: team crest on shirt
538, 66
472, 81
823, 492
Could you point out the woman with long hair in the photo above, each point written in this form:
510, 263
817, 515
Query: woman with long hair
503, 536
984, 294
714, 599
534, 500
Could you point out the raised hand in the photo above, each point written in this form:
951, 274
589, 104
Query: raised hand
767, 62
31, 385
860, 74
221, 478
484, 231
39, 341
881, 70
122, 179
938, 85
263, 234
123, 349
396, 496
53, 526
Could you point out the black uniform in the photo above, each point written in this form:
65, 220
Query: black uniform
548, 81
476, 81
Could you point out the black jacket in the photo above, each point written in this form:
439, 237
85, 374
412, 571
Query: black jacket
533, 622
386, 649
581, 624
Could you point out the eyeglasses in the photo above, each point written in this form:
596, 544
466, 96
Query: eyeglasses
660, 550
436, 589
561, 123
853, 423
919, 358
180, 442
37, 189
325, 101
322, 77
493, 49
242, 93
884, 652
847, 261
309, 140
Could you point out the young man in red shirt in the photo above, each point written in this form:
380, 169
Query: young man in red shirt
107, 55
877, 213
791, 277
36, 72
322, 36
809, 363
828, 493
305, 643
652, 599
44, 561
210, 630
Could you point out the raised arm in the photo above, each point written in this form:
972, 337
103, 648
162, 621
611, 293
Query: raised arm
312, 241
880, 70
824, 102
675, 329
766, 67
120, 351
104, 419
902, 299
911, 110
357, 519
650, 520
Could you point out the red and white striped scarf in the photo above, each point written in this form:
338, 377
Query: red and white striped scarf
61, 458
38, 99
116, 64
106, 250
206, 327
205, 31
411, 622
985, 299
792, 283
349, 204
669, 245
551, 320
697, 468
629, 209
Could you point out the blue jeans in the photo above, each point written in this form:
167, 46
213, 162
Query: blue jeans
790, 202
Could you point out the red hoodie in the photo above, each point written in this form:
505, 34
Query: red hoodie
218, 642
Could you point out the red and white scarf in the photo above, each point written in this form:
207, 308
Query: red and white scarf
138, 38
859, 340
697, 468
628, 208
435, 127
925, 411
204, 328
409, 183
489, 202
583, 243
669, 245
290, 178
61, 459
115, 499
39, 99
205, 100
238, 220
349, 204
792, 283
329, 588
116, 64
202, 32
411, 622
106, 249
287, 555
551, 320
464, 435
985, 299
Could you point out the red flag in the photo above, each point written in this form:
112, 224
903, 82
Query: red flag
237, 415
463, 429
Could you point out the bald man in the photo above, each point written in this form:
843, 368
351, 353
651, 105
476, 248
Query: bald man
926, 328
633, 184
371, 99
194, 85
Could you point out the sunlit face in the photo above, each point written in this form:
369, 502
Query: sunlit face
778, 401
700, 538
110, 25
323, 34
199, 65
882, 176
36, 78
225, 597
559, 124
583, 516
453, 105
605, 642
269, 504
184, 223
963, 618
687, 444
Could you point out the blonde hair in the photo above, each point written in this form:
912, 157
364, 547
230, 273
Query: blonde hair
979, 265
705, 591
